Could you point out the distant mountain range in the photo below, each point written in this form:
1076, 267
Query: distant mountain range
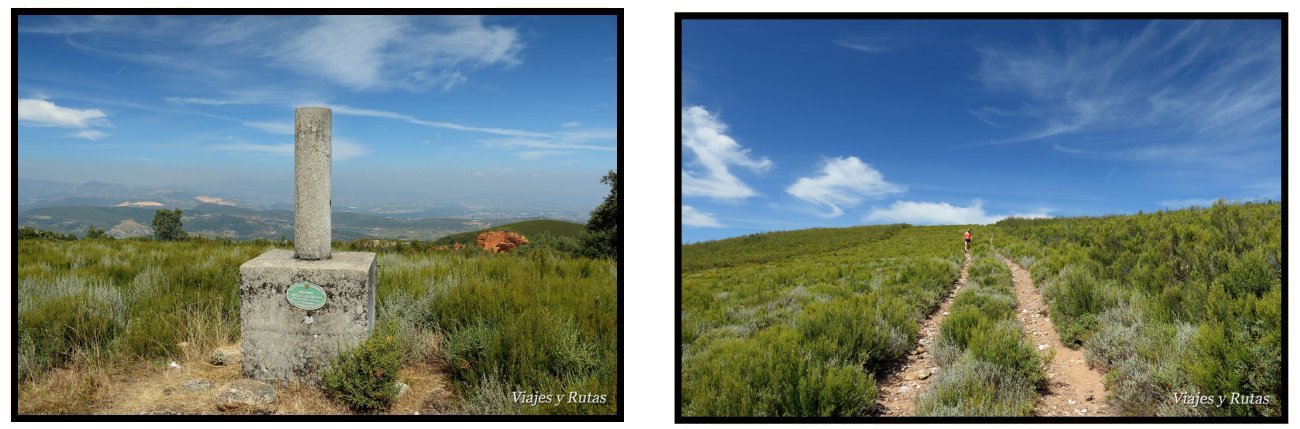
215, 220
127, 211
254, 210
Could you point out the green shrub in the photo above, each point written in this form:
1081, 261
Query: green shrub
27, 232
769, 375
1003, 345
364, 378
1173, 301
854, 329
1076, 298
472, 350
972, 387
59, 318
961, 325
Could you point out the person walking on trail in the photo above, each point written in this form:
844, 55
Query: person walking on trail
968, 241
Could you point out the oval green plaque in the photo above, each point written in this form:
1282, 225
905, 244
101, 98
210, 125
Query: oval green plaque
306, 296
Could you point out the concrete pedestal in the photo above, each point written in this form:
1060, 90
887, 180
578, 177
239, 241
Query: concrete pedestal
287, 343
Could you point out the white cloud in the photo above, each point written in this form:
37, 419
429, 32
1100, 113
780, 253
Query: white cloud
705, 136
88, 134
42, 113
346, 49
926, 213
364, 52
573, 124
414, 53
698, 219
843, 182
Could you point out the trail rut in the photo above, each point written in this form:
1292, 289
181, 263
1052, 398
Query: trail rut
898, 390
1073, 389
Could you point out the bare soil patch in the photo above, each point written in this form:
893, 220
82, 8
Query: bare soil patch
898, 390
1073, 388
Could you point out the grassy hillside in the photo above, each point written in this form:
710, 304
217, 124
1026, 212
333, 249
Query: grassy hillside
528, 228
798, 323
1167, 302
801, 323
91, 313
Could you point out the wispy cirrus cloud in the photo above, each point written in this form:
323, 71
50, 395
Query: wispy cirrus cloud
530, 144
356, 111
1187, 78
942, 213
842, 182
369, 52
714, 152
865, 43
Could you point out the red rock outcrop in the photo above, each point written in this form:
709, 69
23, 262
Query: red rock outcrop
500, 241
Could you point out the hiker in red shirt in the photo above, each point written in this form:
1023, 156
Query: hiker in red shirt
968, 241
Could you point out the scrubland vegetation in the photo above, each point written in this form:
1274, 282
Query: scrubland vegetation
989, 369
539, 319
1183, 302
800, 323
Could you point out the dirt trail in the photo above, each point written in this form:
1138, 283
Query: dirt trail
148, 389
1073, 389
898, 390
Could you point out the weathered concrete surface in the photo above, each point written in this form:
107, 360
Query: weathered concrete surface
312, 148
283, 342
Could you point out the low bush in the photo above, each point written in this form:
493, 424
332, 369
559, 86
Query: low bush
972, 387
989, 367
1003, 345
59, 318
770, 375
364, 378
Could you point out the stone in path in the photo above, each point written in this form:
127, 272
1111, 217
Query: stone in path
1070, 380
225, 355
247, 396
898, 391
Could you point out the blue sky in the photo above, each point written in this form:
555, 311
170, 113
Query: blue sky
791, 124
446, 108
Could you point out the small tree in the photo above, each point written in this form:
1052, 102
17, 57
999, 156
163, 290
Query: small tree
93, 233
167, 225
600, 239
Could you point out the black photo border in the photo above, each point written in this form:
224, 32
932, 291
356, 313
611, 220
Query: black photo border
616, 13
700, 16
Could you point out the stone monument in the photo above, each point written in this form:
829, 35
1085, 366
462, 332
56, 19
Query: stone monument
299, 309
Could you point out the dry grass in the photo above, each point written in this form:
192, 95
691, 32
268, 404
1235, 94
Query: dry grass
62, 391
154, 388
